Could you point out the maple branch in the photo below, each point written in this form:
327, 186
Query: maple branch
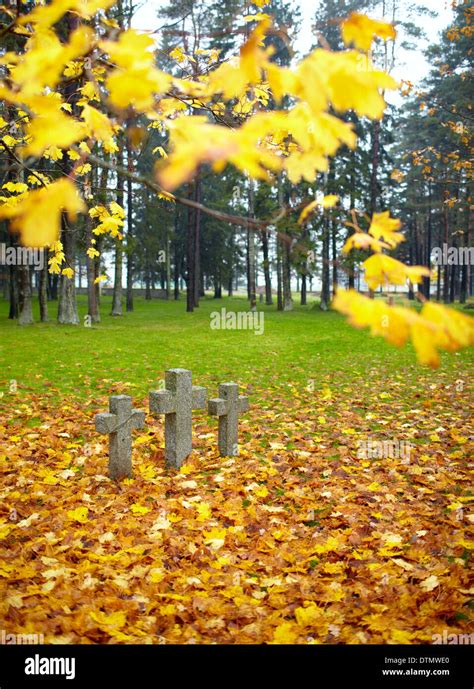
6, 29
249, 223
21, 163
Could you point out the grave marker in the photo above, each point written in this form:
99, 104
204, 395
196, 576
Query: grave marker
228, 407
177, 403
119, 424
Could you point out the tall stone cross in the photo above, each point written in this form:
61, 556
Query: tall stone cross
118, 424
228, 407
177, 403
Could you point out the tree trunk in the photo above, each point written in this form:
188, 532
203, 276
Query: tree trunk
230, 283
42, 289
67, 305
252, 270
325, 288
446, 273
279, 275
426, 288
190, 258
129, 305
334, 257
25, 296
286, 275
303, 300
464, 287
375, 167
14, 299
266, 270
197, 241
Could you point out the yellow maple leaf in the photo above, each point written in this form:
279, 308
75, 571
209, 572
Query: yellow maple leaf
331, 545
430, 583
50, 124
360, 30
204, 511
285, 634
384, 227
136, 81
156, 574
80, 514
215, 538
361, 240
37, 218
116, 620
136, 508
98, 125
308, 615
328, 201
401, 636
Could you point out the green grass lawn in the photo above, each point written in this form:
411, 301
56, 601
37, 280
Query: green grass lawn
130, 354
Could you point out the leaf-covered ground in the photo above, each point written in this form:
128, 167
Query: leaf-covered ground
297, 540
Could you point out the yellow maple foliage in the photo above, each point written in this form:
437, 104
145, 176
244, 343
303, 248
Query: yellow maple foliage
361, 31
435, 328
41, 229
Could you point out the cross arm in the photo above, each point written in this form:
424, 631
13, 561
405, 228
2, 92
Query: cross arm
162, 402
199, 398
105, 423
243, 404
138, 419
217, 407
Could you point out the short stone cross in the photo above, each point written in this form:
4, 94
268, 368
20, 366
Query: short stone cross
177, 403
118, 424
228, 407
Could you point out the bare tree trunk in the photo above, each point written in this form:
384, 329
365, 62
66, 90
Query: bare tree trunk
42, 289
92, 301
279, 276
286, 274
325, 288
446, 274
190, 258
197, 241
252, 277
14, 299
375, 167
303, 299
129, 305
266, 270
25, 296
426, 287
334, 256
464, 288
117, 307
67, 305
177, 265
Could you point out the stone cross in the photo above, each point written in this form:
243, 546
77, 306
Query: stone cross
118, 424
228, 407
177, 403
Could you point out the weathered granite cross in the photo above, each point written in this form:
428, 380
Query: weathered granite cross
177, 403
118, 424
228, 407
